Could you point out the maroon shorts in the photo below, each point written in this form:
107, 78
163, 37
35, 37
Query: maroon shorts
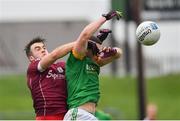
53, 117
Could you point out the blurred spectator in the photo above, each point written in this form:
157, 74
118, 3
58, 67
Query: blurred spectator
151, 112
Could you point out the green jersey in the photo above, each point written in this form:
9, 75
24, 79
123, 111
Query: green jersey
82, 81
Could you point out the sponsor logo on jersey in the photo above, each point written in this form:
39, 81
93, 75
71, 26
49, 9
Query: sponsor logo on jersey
90, 68
55, 76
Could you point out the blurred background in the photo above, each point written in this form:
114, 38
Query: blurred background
144, 75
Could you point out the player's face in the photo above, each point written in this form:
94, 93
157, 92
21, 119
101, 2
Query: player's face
38, 51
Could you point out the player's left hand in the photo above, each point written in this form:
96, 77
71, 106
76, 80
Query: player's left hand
107, 52
112, 14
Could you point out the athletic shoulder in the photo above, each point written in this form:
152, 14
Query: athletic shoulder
77, 55
61, 63
33, 66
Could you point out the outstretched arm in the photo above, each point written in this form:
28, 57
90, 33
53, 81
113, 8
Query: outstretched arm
108, 55
80, 48
57, 53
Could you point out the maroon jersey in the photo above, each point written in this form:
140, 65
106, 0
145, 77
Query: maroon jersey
48, 89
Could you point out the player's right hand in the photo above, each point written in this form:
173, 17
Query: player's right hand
103, 33
112, 14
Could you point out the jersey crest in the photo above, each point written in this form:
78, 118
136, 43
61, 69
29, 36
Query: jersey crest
60, 70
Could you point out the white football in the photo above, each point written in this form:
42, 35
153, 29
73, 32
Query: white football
148, 33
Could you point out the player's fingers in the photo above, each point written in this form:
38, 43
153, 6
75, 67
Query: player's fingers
104, 48
108, 49
119, 15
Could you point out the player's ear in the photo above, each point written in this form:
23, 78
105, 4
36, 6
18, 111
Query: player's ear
31, 58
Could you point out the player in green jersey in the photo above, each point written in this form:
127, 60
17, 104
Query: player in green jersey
83, 68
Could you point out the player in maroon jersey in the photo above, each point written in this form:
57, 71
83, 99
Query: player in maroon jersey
46, 79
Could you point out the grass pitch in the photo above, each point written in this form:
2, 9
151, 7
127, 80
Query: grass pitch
118, 97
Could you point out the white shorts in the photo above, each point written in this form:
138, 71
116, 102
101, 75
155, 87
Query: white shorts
79, 114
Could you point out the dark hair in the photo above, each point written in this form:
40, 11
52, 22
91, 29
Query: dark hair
92, 46
27, 48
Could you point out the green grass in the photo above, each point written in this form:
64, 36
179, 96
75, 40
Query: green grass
165, 93
118, 97
15, 98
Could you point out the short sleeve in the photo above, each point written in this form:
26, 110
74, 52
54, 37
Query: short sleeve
76, 55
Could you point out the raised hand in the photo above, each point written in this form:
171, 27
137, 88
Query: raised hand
107, 52
112, 14
102, 35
